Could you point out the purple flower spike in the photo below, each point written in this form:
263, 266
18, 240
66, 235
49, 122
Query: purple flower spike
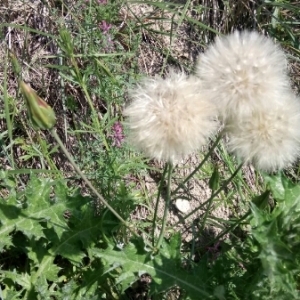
117, 135
105, 27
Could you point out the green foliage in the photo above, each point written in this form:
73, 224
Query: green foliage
277, 233
53, 244
61, 240
50, 232
56, 243
165, 268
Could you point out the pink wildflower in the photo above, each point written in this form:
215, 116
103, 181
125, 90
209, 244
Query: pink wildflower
117, 135
105, 27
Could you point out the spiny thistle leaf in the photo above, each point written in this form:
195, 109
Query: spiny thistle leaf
27, 214
42, 229
278, 235
21, 279
165, 268
276, 185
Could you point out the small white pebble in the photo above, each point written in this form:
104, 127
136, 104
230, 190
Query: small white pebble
182, 205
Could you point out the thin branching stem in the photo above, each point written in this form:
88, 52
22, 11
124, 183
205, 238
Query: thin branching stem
237, 223
167, 205
161, 184
90, 102
66, 152
7, 116
200, 165
45, 153
224, 185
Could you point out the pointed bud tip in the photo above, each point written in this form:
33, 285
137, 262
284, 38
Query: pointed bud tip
40, 113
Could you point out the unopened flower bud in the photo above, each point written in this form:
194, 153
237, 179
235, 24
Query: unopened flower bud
15, 64
40, 113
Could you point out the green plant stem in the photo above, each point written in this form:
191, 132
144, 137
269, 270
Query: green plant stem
157, 202
7, 116
45, 153
178, 23
238, 222
207, 210
200, 165
95, 116
224, 185
66, 152
63, 94
167, 204
90, 102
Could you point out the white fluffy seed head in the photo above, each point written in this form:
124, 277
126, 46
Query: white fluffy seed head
167, 118
268, 138
242, 72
